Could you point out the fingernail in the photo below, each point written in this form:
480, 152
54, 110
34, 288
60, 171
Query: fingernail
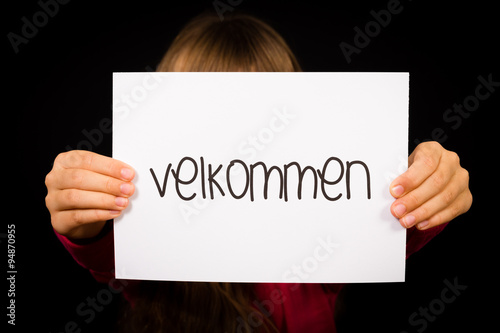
400, 210
127, 173
114, 212
122, 202
126, 188
408, 220
422, 225
397, 190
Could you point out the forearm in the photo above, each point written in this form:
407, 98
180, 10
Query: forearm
95, 254
416, 239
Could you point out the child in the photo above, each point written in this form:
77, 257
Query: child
87, 190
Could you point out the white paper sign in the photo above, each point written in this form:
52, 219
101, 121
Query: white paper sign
261, 177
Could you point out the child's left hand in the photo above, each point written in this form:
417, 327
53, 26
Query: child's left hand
434, 190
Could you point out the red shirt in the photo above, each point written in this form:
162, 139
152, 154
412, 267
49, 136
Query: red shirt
293, 307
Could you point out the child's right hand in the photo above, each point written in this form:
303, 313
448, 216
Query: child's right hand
85, 190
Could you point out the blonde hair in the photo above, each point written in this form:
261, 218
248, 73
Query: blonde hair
240, 43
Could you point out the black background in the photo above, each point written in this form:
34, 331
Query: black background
60, 82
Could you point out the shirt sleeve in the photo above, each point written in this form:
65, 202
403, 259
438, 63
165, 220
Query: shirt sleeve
96, 254
416, 239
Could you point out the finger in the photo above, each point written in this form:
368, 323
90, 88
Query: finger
81, 159
91, 181
446, 197
460, 206
430, 187
423, 162
80, 199
64, 222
